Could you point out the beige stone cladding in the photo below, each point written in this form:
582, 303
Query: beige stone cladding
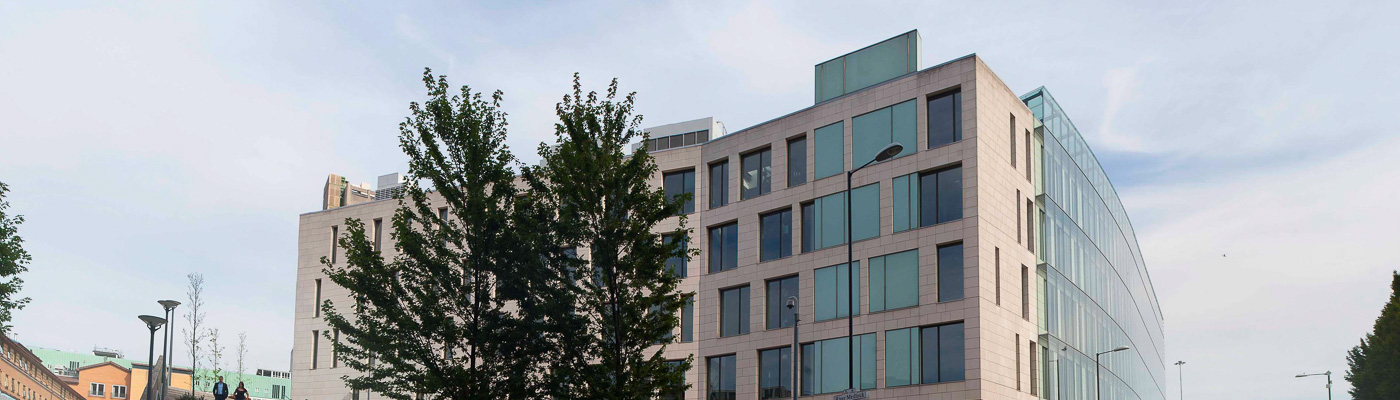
990, 226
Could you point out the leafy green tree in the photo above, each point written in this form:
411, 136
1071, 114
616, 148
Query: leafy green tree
627, 299
1375, 364
456, 312
13, 261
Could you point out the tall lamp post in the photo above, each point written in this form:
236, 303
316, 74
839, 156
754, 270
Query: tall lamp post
169, 342
1059, 392
885, 154
792, 305
1180, 386
1329, 381
154, 323
1098, 366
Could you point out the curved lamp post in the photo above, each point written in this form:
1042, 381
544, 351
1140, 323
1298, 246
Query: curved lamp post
168, 342
154, 323
1329, 381
885, 154
1098, 366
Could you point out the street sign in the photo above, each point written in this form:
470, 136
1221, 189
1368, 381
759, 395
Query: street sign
852, 394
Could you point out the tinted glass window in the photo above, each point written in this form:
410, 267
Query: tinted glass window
809, 225
894, 281
941, 353
734, 311
944, 119
721, 373
719, 184
677, 262
950, 272
833, 287
724, 247
826, 365
688, 322
797, 162
830, 149
872, 131
775, 373
902, 357
940, 196
681, 183
779, 290
865, 212
824, 220
775, 235
758, 174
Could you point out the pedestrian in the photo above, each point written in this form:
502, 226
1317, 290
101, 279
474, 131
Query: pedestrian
220, 389
240, 393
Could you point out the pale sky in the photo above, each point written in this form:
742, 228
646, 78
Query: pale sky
1253, 143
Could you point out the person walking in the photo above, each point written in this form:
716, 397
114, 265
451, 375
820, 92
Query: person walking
240, 393
220, 389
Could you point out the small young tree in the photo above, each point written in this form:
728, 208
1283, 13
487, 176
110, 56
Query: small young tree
13, 261
434, 320
628, 298
242, 352
1374, 370
194, 334
216, 354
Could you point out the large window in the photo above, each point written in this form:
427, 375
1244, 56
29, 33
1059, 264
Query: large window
677, 262
930, 354
833, 286
950, 272
928, 198
872, 131
724, 247
940, 196
681, 183
894, 281
721, 375
826, 364
758, 174
719, 184
775, 373
944, 119
779, 290
824, 219
830, 149
775, 235
734, 311
797, 161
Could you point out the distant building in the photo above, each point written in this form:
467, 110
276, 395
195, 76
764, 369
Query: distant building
389, 186
26, 378
104, 375
340, 193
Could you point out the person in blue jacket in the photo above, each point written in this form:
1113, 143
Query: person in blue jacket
220, 389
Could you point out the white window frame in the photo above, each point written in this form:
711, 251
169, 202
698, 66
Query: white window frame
121, 389
97, 389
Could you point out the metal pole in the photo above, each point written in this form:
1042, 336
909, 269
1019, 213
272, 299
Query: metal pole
165, 356
1180, 387
795, 319
850, 283
1059, 389
1096, 376
1329, 385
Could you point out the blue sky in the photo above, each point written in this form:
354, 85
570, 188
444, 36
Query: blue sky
147, 141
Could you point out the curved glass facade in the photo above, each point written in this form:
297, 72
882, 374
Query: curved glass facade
1095, 293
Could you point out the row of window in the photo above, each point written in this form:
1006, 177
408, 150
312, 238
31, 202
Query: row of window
99, 390
870, 132
894, 284
30, 371
918, 355
920, 199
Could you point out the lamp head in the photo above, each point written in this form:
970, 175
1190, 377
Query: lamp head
891, 150
152, 321
1121, 348
1301, 376
169, 304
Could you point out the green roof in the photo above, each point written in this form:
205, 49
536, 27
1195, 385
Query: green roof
58, 358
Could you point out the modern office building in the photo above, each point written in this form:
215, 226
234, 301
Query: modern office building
993, 259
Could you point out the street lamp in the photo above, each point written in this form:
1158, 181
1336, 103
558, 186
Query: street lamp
885, 154
154, 323
792, 305
1329, 381
1098, 366
169, 342
1059, 392
1179, 385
